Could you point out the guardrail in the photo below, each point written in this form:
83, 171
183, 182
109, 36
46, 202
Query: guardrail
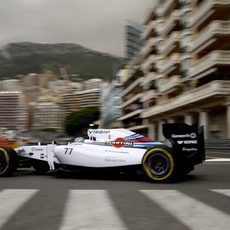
217, 145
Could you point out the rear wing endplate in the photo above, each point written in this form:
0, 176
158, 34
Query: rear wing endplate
186, 139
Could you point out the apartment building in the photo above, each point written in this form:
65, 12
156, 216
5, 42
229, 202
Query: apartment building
47, 115
133, 40
185, 65
111, 102
131, 95
10, 107
88, 97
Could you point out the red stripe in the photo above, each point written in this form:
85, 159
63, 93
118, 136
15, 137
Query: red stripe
144, 139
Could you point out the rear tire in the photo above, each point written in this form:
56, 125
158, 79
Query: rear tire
159, 165
8, 161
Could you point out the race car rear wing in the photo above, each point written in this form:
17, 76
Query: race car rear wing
187, 141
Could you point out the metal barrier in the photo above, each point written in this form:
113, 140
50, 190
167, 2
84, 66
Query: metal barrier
217, 145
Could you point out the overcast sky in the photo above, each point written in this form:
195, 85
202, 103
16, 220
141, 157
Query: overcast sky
95, 24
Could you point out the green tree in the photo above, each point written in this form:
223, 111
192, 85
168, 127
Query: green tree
77, 121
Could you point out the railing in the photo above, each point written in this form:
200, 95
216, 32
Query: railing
168, 24
164, 8
216, 27
212, 59
173, 38
174, 59
169, 83
206, 91
150, 94
205, 7
148, 78
148, 62
148, 29
148, 46
217, 145
132, 86
131, 100
131, 114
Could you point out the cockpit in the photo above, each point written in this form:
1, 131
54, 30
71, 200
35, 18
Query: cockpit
79, 140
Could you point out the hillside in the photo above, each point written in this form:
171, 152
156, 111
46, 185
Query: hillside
26, 57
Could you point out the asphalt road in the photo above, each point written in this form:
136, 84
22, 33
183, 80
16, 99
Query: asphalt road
200, 201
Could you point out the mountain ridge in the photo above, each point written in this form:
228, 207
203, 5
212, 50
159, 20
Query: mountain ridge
21, 58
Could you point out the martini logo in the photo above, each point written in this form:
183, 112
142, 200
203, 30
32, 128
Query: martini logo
120, 142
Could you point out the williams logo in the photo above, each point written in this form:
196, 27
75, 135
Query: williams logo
189, 142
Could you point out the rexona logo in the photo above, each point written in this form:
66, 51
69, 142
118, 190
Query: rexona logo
120, 142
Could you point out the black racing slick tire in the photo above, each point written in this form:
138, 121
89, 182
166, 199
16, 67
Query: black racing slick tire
8, 161
159, 165
41, 167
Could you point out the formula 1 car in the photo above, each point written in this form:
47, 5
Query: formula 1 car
116, 149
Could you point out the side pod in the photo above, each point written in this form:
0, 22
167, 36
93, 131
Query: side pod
187, 142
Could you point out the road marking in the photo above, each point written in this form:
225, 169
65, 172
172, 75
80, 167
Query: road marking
90, 209
218, 160
191, 212
225, 192
12, 200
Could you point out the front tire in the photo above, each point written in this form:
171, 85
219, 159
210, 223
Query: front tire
8, 161
41, 167
159, 165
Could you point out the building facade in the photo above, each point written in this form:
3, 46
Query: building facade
47, 116
111, 102
89, 96
133, 40
131, 95
185, 66
10, 109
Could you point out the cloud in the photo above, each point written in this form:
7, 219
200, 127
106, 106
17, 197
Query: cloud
96, 24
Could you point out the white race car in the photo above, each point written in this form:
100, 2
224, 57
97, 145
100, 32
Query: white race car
116, 149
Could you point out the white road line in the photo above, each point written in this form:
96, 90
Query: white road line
90, 209
191, 212
218, 160
11, 200
225, 192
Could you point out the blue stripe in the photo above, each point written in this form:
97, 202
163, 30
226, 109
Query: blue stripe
148, 143
133, 137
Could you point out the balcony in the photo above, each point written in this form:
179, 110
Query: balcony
148, 47
170, 44
193, 97
170, 64
216, 34
132, 100
149, 30
137, 127
208, 62
149, 63
207, 9
151, 15
148, 95
165, 8
159, 23
169, 84
148, 78
131, 114
131, 87
171, 22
